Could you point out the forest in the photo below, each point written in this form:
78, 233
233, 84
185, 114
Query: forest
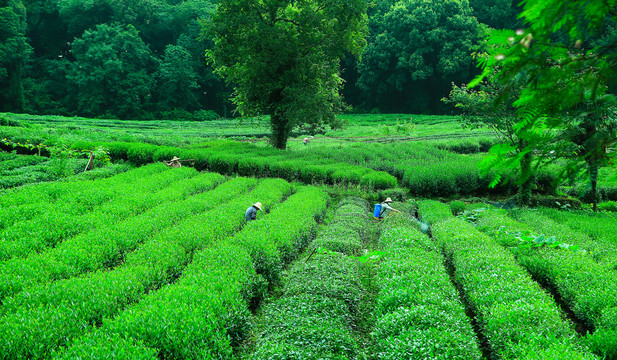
146, 59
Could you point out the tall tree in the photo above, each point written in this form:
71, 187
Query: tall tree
14, 51
111, 74
177, 80
417, 48
283, 57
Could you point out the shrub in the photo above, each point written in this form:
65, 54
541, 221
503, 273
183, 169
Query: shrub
205, 115
457, 207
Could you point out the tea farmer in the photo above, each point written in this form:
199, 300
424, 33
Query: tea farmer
251, 212
386, 208
174, 163
305, 141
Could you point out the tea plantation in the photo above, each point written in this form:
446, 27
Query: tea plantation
138, 260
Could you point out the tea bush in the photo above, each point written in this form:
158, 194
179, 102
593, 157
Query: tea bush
205, 313
54, 227
418, 314
64, 309
517, 317
432, 211
321, 296
106, 247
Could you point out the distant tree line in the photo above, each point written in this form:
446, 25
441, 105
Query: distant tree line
142, 59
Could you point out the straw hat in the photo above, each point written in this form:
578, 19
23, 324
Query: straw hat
257, 205
388, 200
175, 158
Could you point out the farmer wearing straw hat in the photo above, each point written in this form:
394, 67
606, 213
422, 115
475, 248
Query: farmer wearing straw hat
174, 163
251, 212
385, 207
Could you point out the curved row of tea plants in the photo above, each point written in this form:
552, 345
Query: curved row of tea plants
205, 314
106, 247
73, 197
40, 319
418, 313
321, 297
519, 320
73, 191
593, 231
51, 228
587, 286
230, 157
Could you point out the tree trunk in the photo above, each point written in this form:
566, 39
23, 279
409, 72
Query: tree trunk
593, 177
280, 131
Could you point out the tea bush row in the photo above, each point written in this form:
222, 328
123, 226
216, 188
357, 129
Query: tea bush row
321, 296
432, 212
45, 317
519, 320
599, 227
54, 227
228, 157
107, 246
601, 250
348, 230
588, 288
73, 198
418, 313
205, 314
87, 192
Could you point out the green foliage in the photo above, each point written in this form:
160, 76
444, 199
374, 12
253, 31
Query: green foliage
14, 52
406, 52
502, 292
457, 207
106, 78
563, 41
257, 48
418, 313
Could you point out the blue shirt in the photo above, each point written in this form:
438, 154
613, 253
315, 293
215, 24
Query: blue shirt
251, 213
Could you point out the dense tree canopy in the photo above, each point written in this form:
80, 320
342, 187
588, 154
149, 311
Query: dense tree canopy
416, 49
282, 57
14, 51
39, 71
110, 72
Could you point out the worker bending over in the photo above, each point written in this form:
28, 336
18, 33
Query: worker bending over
386, 208
251, 212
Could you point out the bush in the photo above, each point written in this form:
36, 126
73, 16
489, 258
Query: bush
205, 115
457, 207
5, 121
607, 206
378, 180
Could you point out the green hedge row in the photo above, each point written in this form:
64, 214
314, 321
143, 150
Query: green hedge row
228, 157
43, 318
321, 297
71, 198
599, 228
587, 286
418, 313
75, 193
519, 320
600, 250
206, 312
52, 228
106, 247
433, 212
